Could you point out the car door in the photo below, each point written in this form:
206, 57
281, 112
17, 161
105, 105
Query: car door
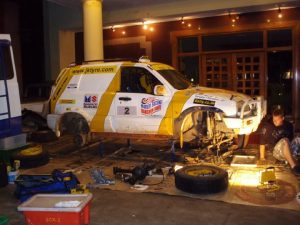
137, 109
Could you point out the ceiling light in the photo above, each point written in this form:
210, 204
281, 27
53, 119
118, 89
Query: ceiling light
151, 29
279, 13
182, 20
145, 26
189, 25
123, 32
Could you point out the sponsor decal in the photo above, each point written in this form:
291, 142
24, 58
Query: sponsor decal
67, 101
126, 110
72, 86
209, 97
204, 102
150, 105
94, 70
90, 101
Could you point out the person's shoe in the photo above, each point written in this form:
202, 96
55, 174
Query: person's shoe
296, 170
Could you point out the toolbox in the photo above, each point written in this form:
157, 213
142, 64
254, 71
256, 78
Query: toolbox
57, 209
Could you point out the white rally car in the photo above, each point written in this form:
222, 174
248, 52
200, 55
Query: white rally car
147, 100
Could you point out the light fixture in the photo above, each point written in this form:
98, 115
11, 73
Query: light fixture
145, 26
199, 28
189, 25
151, 29
182, 20
268, 20
279, 13
123, 32
233, 18
113, 29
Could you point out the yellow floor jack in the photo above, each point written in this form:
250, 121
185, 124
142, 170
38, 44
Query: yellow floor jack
268, 183
80, 189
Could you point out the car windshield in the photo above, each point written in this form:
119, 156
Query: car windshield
176, 79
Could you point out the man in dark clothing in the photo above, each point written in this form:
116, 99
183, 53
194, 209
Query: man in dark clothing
278, 135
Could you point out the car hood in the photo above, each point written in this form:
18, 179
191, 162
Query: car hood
217, 93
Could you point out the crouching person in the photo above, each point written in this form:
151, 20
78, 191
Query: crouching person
278, 134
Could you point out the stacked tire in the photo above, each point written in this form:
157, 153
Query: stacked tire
31, 157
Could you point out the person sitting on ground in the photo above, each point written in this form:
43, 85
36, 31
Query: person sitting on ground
278, 135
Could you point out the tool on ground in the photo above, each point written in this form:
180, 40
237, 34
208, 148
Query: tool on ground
137, 173
80, 189
56, 182
99, 177
268, 180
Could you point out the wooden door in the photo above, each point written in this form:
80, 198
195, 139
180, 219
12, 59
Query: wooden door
241, 72
248, 73
216, 71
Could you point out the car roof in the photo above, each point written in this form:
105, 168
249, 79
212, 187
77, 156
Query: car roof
154, 65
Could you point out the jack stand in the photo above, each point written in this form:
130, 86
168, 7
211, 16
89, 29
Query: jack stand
129, 145
126, 150
173, 156
101, 149
130, 148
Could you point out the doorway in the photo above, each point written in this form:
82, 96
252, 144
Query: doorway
241, 72
280, 80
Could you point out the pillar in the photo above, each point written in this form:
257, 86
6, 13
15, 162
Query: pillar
92, 30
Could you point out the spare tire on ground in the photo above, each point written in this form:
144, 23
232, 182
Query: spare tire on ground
201, 179
31, 157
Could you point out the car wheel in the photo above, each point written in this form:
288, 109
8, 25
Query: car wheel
31, 157
201, 179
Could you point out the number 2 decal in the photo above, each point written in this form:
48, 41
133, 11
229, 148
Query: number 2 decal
126, 111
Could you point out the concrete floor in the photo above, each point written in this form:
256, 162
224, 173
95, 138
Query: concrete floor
118, 207
115, 207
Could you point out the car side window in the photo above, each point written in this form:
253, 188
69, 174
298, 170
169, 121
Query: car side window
137, 80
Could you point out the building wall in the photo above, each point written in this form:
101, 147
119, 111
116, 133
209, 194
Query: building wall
57, 18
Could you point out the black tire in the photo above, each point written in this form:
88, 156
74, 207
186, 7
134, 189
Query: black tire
201, 179
35, 159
